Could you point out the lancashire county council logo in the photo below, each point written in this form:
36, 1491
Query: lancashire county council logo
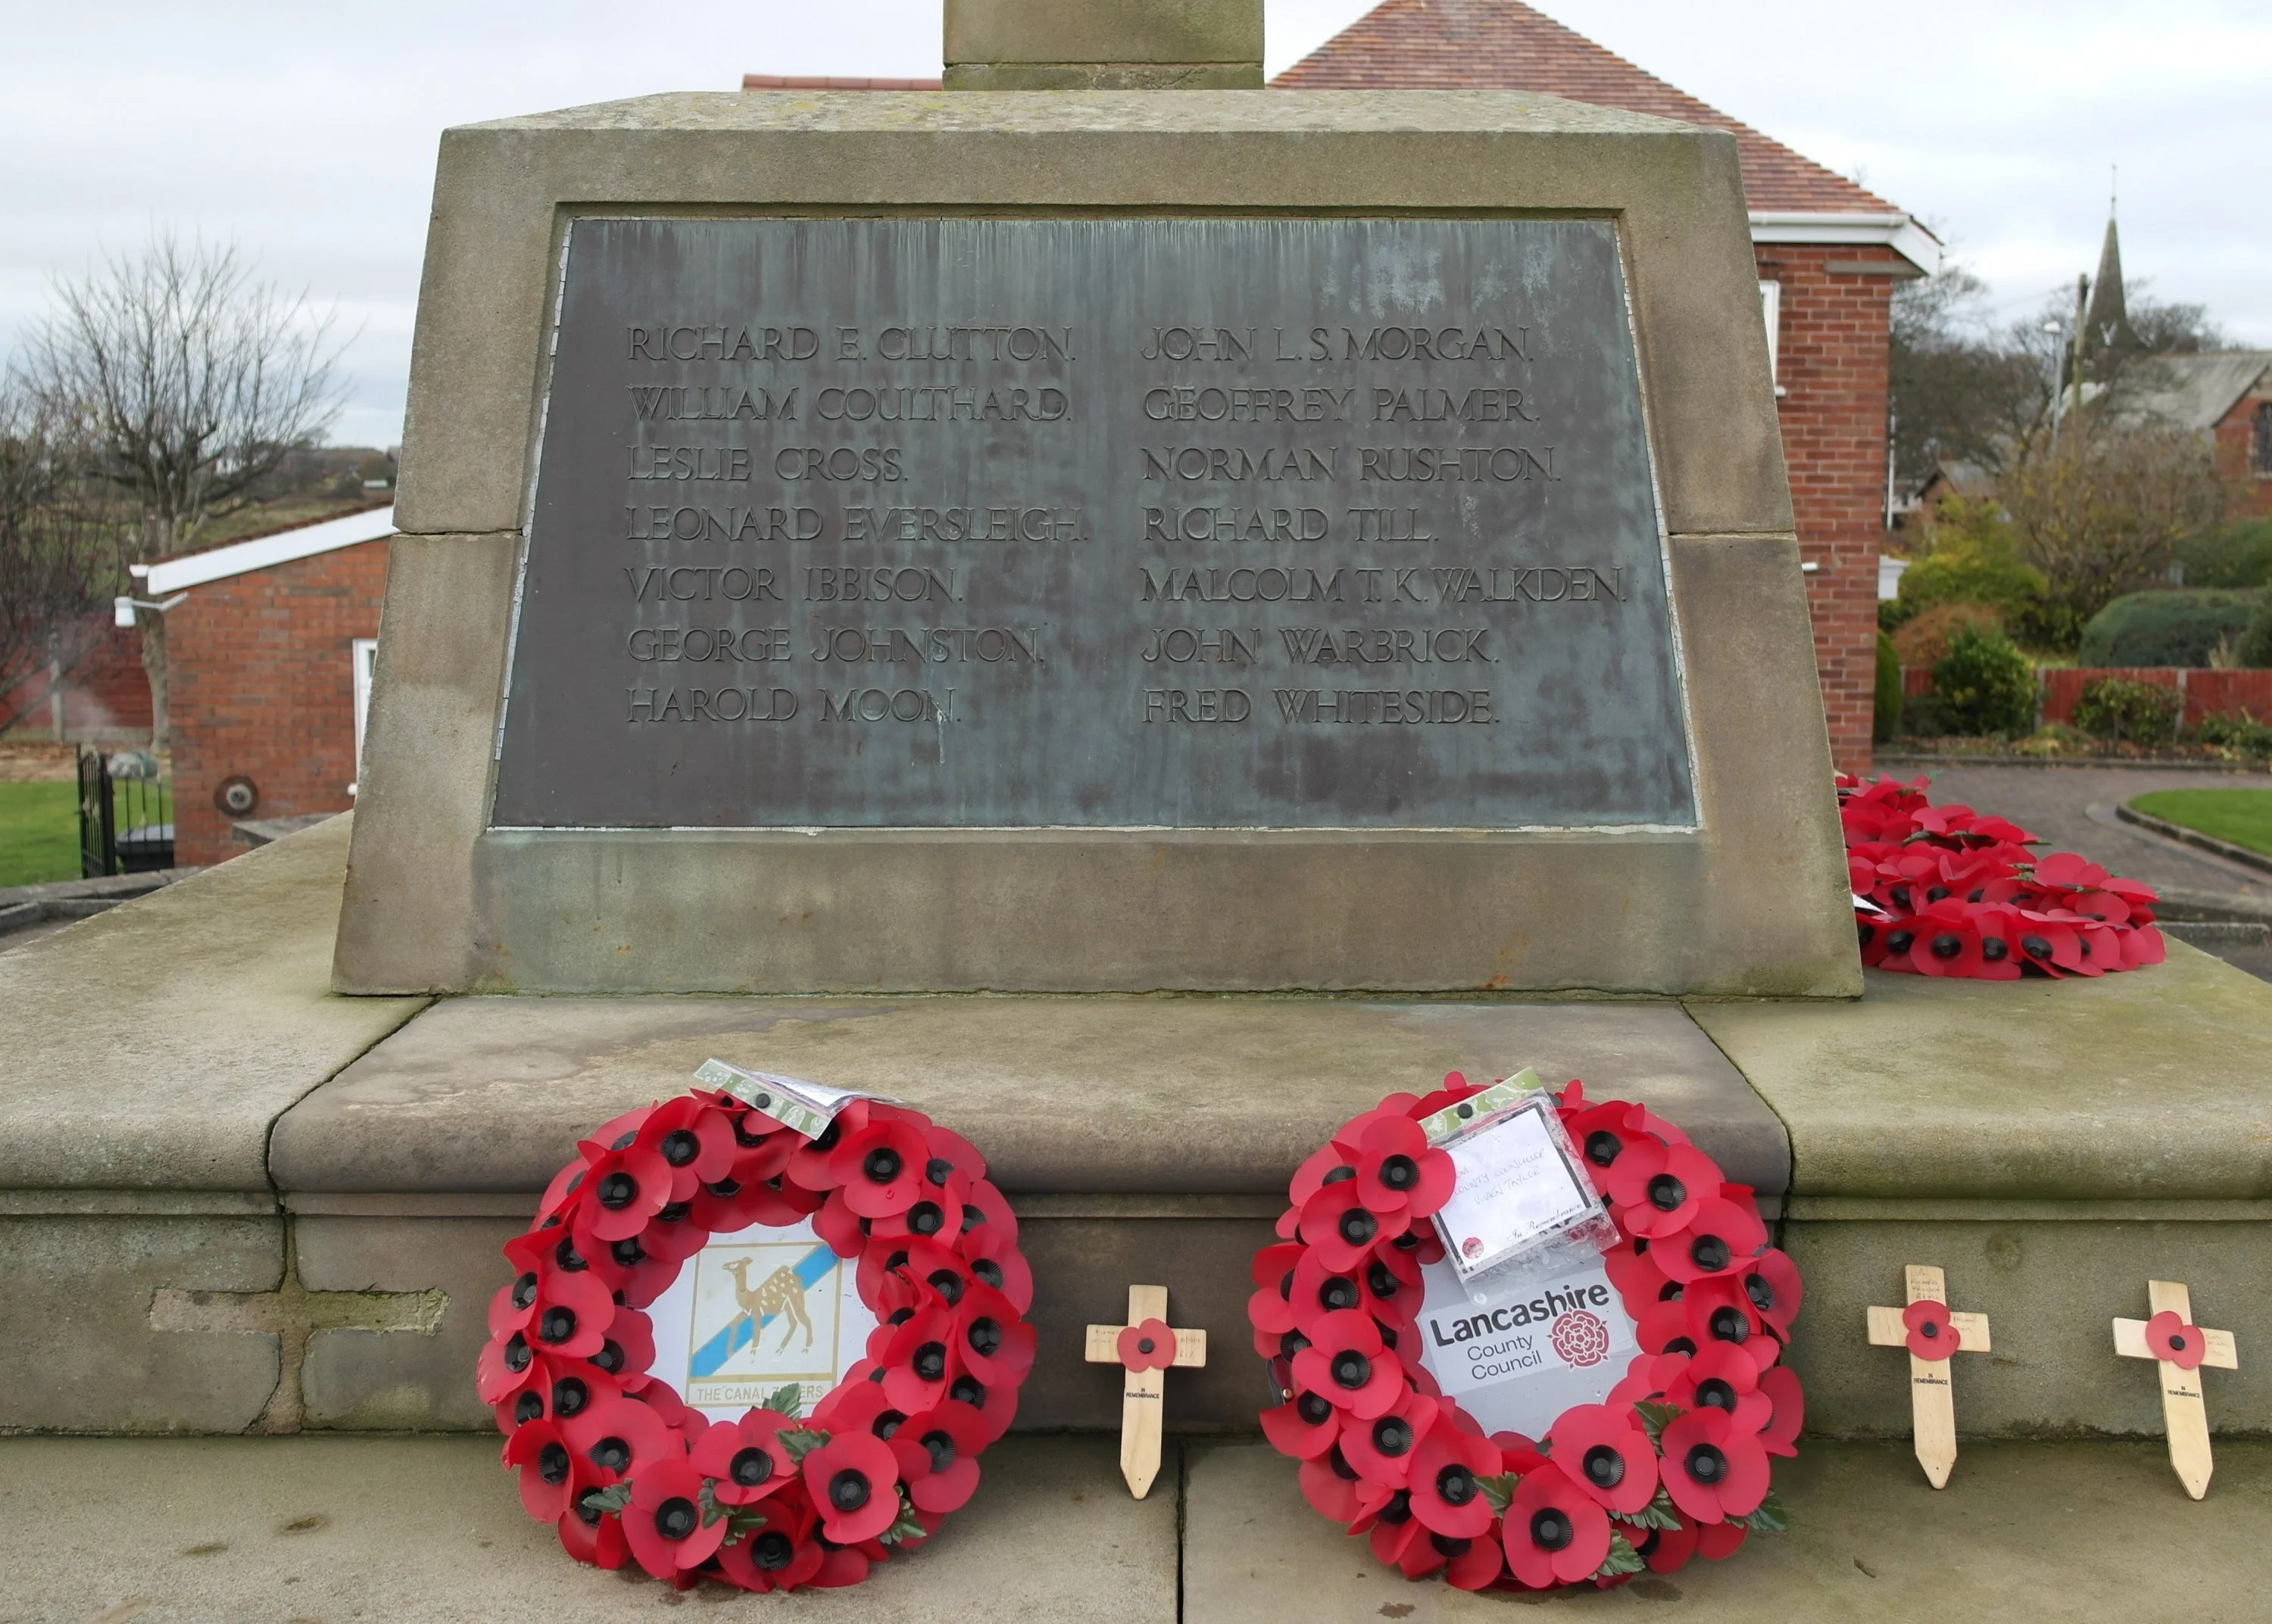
1581, 1339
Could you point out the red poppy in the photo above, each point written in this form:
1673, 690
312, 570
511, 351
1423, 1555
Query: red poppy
919, 1359
1340, 1229
1668, 1550
745, 1458
1721, 1376
949, 1439
1390, 1526
1393, 1291
1447, 1495
622, 1189
1639, 1281
1715, 1542
1330, 1162
991, 1253
783, 1555
991, 1342
853, 1480
808, 1163
505, 1368
627, 1265
1780, 1435
2170, 1339
1658, 1187
880, 1167
1932, 1334
1397, 1170
664, 1520
1948, 942
1382, 1449
937, 1213
1713, 1468
1271, 1310
1318, 1291
1346, 1364
1721, 1310
1469, 1564
1602, 1134
549, 1479
694, 1138
614, 1433
1603, 1452
1555, 1533
983, 1204
1303, 1428
1721, 1239
1771, 1285
840, 1567
592, 1535
1333, 1489
1150, 1346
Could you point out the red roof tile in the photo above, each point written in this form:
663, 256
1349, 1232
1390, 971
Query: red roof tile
1504, 45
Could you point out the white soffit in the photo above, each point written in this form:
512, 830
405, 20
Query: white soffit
174, 574
1898, 232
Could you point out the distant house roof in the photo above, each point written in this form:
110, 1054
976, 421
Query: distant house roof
1504, 45
174, 574
2192, 392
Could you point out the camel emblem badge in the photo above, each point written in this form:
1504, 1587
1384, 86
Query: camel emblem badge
782, 1292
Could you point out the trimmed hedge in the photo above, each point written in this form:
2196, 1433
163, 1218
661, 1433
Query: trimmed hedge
2170, 628
1885, 719
1985, 685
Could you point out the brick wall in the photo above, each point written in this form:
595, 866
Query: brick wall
264, 686
2248, 493
1832, 365
106, 698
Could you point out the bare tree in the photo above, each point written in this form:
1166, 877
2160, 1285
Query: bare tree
58, 552
2098, 505
191, 382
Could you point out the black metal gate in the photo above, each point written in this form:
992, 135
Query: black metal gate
125, 821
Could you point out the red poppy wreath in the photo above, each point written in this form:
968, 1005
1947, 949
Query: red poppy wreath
765, 1497
1655, 1368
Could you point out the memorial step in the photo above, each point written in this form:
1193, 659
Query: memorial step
241, 1201
193, 1530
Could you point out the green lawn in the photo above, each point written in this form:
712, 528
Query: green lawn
38, 833
2243, 816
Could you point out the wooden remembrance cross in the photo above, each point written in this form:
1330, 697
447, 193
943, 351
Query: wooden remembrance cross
1933, 1411
2182, 1348
1144, 1347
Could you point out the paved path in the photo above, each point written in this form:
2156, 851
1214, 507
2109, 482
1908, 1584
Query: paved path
326, 1530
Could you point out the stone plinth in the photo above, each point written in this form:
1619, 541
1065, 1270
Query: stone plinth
1103, 45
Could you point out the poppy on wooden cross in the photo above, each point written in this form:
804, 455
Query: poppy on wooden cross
1144, 1347
1932, 1332
2181, 1348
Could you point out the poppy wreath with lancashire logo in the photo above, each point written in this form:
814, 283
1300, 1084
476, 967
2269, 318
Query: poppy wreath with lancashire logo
1672, 1464
615, 1459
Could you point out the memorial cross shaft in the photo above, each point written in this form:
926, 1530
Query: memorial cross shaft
1103, 45
1932, 1408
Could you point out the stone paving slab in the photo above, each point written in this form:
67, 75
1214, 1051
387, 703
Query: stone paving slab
151, 1047
302, 1531
1117, 1094
2149, 1084
2024, 1533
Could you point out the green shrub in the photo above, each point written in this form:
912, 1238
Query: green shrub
2237, 733
2256, 643
1924, 637
2167, 627
2141, 712
1974, 558
1885, 720
1984, 684
2237, 555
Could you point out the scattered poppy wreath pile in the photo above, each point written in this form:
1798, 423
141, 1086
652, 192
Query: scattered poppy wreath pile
626, 1471
1959, 894
1673, 1464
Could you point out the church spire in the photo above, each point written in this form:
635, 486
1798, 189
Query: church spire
2106, 322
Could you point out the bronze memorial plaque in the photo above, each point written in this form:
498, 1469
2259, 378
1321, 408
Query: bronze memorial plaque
1193, 523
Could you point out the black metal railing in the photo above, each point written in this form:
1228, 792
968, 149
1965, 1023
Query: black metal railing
125, 814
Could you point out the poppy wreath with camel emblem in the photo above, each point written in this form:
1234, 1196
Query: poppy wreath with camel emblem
1672, 1464
628, 1474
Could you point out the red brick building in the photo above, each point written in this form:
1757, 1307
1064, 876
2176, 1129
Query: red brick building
1829, 254
2226, 395
270, 653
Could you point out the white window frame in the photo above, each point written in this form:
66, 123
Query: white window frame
1771, 312
363, 651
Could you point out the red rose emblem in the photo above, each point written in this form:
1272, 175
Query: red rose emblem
1580, 1339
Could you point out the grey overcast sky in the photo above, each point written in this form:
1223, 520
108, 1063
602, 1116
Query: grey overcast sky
306, 133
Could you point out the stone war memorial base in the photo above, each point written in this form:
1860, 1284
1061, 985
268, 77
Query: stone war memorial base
244, 1202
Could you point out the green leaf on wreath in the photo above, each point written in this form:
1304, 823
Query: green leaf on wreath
1770, 1518
1657, 1513
1622, 1559
1499, 1490
613, 1498
904, 1526
788, 1400
742, 1522
799, 1441
1655, 1418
